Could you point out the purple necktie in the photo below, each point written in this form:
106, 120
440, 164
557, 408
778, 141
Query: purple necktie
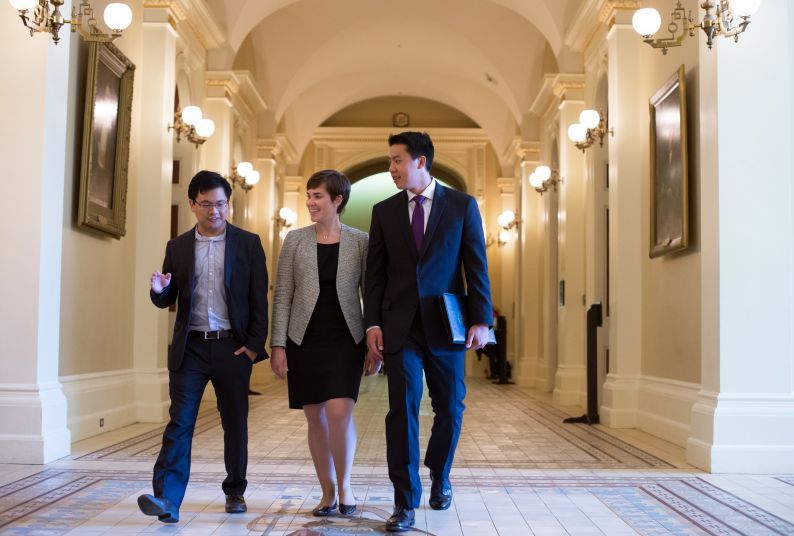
418, 222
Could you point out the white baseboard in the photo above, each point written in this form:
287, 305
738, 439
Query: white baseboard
569, 388
665, 408
34, 424
99, 402
619, 402
524, 371
742, 433
151, 395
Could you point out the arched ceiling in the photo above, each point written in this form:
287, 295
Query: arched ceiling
313, 57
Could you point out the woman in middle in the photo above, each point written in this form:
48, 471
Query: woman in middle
317, 339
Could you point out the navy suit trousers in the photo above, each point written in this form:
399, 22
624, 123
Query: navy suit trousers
447, 389
205, 361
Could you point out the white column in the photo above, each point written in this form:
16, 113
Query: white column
216, 152
262, 205
570, 378
156, 77
509, 260
619, 408
743, 419
529, 315
32, 405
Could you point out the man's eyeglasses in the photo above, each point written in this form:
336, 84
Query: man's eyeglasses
206, 205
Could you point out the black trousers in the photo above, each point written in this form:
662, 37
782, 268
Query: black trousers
445, 383
205, 361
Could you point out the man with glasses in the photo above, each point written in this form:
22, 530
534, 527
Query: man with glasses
216, 274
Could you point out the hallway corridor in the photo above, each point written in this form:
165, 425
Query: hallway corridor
518, 471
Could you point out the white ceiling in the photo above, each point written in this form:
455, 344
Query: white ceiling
311, 58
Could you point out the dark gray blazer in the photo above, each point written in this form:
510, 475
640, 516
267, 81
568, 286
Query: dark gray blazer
298, 285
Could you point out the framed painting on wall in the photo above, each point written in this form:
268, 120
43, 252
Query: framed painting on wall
669, 168
106, 140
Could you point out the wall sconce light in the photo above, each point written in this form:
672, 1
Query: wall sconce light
544, 178
591, 125
647, 22
286, 217
244, 175
506, 220
36, 17
190, 123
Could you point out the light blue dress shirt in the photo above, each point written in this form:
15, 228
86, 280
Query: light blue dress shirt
208, 304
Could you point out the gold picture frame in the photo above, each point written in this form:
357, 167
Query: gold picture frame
669, 167
106, 140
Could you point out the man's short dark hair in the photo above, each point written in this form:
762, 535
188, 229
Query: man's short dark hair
417, 143
204, 181
335, 182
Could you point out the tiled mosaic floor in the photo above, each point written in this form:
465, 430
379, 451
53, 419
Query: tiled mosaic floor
518, 471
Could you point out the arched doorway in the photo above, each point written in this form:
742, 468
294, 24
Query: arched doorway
372, 183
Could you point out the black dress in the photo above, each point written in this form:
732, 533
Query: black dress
328, 363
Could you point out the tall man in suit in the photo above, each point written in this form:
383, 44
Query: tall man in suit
421, 243
216, 274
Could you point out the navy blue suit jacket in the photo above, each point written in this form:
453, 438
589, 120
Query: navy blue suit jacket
245, 280
399, 279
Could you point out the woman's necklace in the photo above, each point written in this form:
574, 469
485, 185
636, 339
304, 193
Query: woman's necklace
326, 236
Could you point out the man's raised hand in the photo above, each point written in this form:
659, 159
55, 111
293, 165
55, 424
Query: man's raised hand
160, 281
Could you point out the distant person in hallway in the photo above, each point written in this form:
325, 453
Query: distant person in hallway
216, 274
421, 243
317, 340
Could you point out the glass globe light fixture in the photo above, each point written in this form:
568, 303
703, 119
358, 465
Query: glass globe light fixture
252, 178
244, 168
646, 21
506, 218
118, 16
745, 8
23, 5
589, 118
543, 173
191, 115
535, 181
577, 133
205, 127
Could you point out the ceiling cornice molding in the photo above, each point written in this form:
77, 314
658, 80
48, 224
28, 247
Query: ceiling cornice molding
606, 15
592, 18
557, 88
520, 149
381, 134
238, 87
197, 16
287, 149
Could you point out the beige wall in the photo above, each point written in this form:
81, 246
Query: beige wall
671, 284
97, 279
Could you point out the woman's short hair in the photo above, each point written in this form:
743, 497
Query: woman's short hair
335, 182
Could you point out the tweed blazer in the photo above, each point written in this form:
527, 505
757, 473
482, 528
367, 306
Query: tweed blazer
298, 283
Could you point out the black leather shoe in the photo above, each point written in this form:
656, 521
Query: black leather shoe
440, 493
324, 511
160, 507
347, 509
402, 520
235, 504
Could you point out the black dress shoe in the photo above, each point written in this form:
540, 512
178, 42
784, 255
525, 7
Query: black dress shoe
160, 507
440, 493
235, 504
347, 509
402, 520
324, 511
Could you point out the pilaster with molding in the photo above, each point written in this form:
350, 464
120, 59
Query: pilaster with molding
151, 333
620, 395
529, 310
